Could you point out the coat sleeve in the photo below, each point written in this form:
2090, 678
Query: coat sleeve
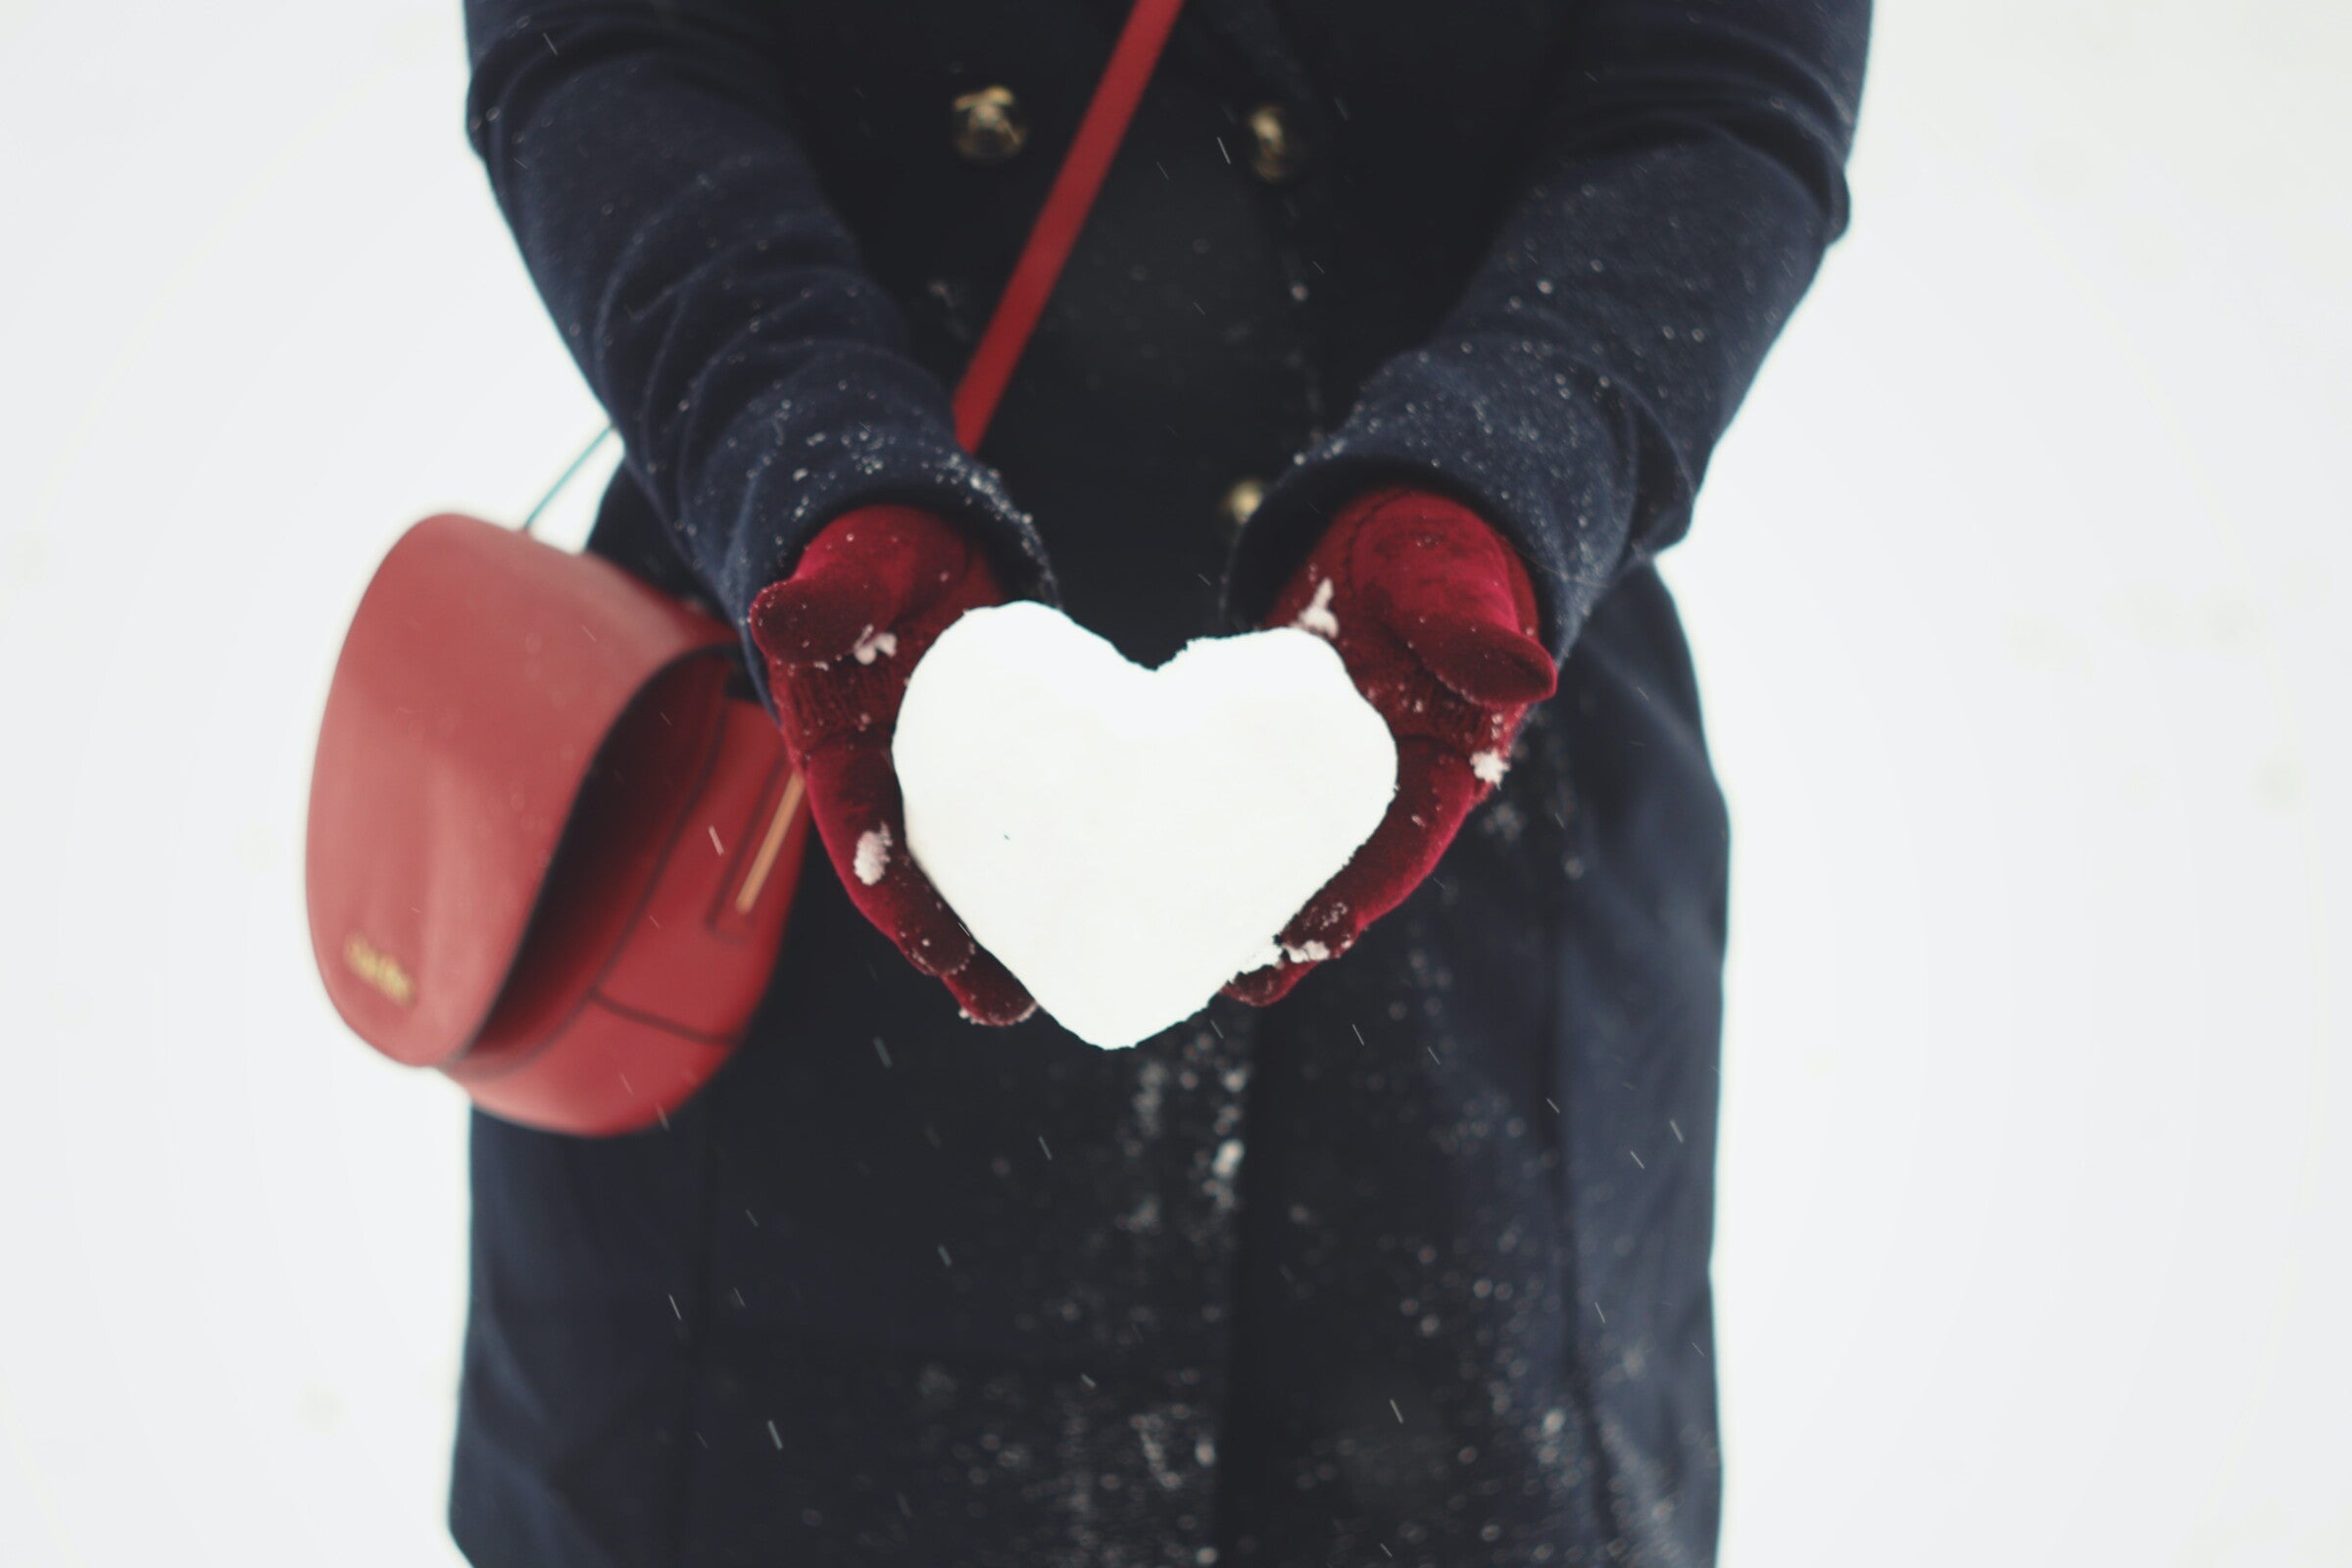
1681, 186
716, 305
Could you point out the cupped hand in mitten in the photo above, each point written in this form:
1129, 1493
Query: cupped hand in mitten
840, 636
1434, 616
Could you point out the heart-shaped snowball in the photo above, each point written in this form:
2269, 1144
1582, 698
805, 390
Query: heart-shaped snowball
1127, 839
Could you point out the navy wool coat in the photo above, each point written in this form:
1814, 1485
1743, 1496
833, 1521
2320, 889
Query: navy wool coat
1411, 1267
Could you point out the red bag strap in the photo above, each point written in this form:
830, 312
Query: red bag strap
1072, 196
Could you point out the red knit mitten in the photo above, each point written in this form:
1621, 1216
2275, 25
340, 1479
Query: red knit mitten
840, 635
1435, 618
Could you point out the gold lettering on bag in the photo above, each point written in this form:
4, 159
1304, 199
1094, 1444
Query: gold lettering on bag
380, 969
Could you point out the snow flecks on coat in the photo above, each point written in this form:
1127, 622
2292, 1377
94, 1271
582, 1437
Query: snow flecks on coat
1098, 1444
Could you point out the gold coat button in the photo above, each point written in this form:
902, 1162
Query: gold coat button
1276, 154
1241, 501
988, 126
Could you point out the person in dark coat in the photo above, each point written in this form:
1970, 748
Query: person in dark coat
1398, 1251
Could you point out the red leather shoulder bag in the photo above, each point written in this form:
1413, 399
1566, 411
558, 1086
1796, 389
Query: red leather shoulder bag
552, 844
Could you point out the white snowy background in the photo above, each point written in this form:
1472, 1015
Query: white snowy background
2021, 594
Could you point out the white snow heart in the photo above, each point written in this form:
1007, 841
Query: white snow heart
1127, 839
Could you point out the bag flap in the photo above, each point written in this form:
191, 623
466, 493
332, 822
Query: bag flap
478, 684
